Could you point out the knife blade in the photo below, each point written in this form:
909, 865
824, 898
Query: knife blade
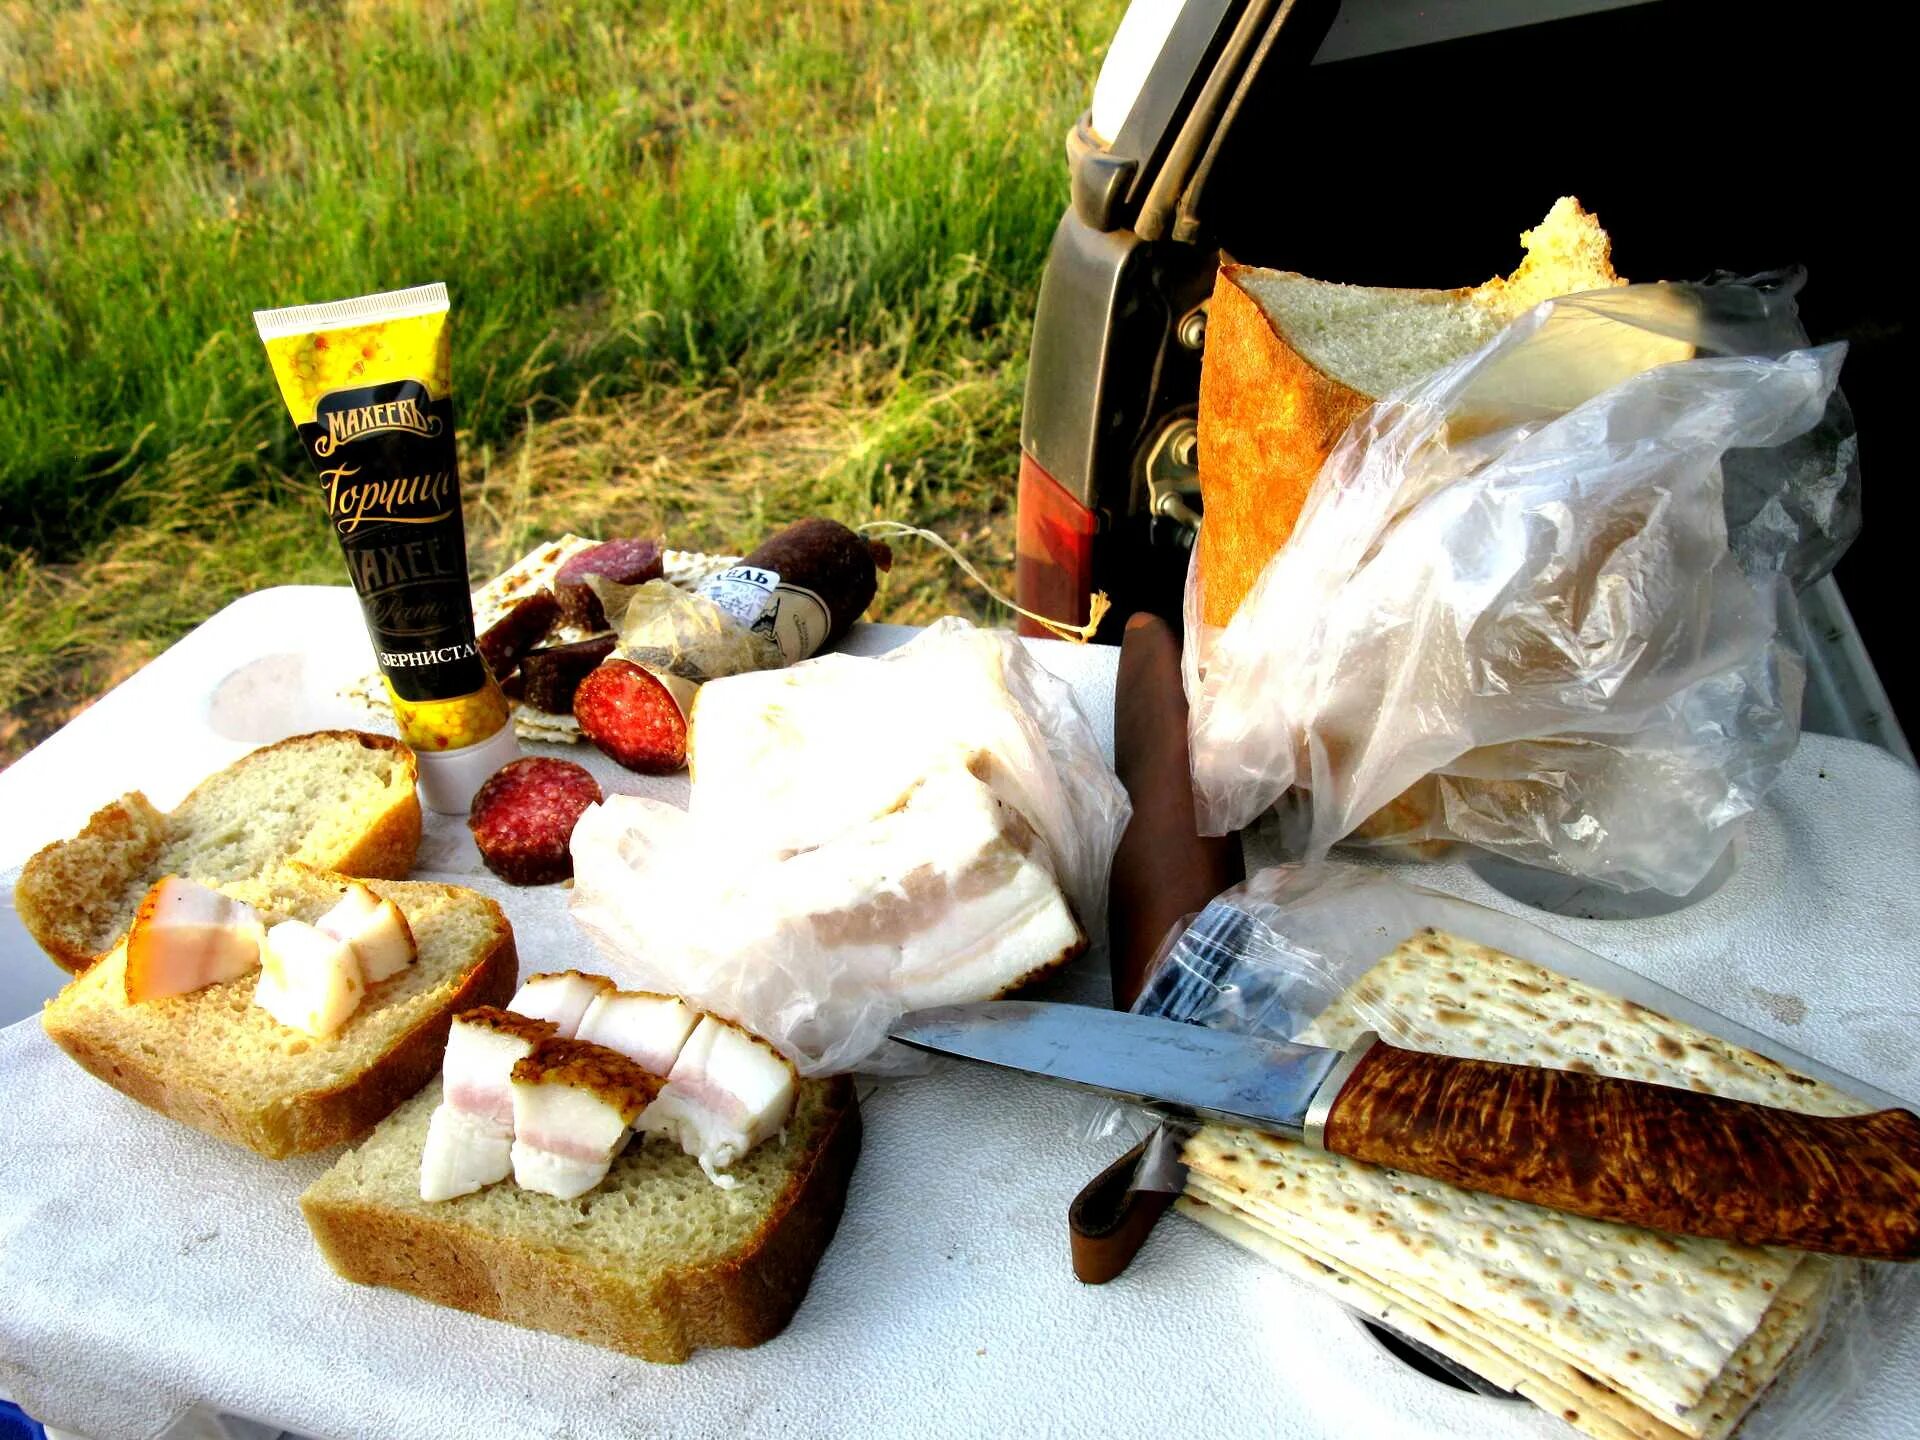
1594, 1145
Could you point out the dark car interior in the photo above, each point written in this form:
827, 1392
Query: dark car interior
1705, 136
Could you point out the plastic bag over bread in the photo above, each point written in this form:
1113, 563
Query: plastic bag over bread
865, 837
1540, 601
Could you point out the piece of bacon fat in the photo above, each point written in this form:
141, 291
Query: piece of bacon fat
648, 1029
309, 980
573, 1105
374, 929
186, 936
470, 1137
727, 1091
561, 996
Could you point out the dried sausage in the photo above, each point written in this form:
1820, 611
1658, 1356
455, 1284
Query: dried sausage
524, 626
550, 675
523, 817
833, 563
635, 715
624, 562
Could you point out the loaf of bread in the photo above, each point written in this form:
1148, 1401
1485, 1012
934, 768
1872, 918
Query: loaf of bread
215, 1060
1291, 361
655, 1261
337, 800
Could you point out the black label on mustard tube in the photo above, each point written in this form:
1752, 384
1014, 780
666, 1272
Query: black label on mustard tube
384, 456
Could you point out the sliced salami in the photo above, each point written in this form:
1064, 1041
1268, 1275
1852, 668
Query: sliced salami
550, 675
625, 562
635, 715
523, 817
524, 626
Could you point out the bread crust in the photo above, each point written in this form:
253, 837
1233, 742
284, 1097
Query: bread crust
744, 1300
122, 839
1268, 420
118, 850
319, 1118
386, 848
1269, 417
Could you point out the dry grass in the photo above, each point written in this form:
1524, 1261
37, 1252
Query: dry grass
716, 469
713, 469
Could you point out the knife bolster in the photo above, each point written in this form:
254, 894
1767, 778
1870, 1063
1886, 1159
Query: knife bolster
1651, 1155
1314, 1129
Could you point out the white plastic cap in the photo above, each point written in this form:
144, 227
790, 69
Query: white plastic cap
449, 778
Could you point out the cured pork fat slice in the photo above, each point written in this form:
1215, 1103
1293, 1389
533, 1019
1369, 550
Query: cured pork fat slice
185, 937
648, 1029
947, 898
470, 1136
727, 1092
573, 1105
561, 996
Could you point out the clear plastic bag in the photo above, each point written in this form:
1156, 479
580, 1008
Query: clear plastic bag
1269, 957
852, 821
1538, 602
684, 633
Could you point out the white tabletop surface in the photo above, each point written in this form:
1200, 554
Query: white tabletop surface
144, 1267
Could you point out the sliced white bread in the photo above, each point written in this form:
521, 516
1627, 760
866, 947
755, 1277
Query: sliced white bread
656, 1261
337, 800
1291, 361
215, 1060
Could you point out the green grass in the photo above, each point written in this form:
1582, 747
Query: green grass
829, 217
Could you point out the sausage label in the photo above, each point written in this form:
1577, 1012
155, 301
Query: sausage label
745, 593
797, 623
792, 617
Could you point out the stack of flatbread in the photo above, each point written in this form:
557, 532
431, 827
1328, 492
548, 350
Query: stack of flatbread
531, 573
1625, 1333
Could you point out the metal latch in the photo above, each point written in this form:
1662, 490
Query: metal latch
1192, 329
1173, 473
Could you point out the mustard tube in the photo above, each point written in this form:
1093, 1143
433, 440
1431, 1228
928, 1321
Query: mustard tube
369, 383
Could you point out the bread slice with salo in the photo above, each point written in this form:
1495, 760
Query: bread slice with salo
338, 800
216, 1061
1292, 361
656, 1261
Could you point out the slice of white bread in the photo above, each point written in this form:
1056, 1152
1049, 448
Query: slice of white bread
656, 1261
215, 1060
337, 800
1291, 361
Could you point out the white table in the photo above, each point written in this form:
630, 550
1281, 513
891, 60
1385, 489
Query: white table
144, 1267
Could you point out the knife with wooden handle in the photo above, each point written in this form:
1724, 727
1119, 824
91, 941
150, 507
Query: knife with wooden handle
1612, 1149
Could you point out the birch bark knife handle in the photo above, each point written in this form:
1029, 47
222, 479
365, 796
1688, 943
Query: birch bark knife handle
1650, 1155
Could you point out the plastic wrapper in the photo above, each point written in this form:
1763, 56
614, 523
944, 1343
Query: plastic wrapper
865, 836
1271, 955
1538, 601
685, 633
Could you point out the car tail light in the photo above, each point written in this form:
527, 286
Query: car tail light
1053, 565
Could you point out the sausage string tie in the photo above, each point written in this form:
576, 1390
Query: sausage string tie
1097, 606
